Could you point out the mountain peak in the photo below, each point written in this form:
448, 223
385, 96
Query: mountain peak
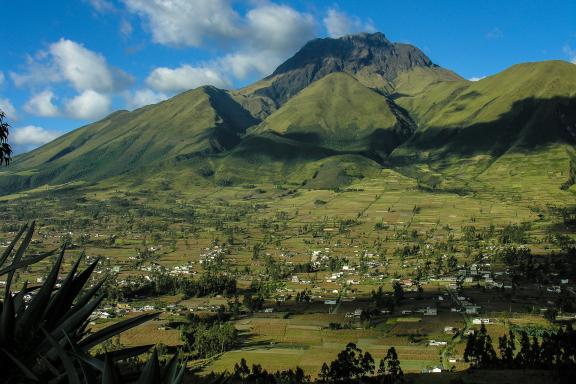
353, 52
371, 58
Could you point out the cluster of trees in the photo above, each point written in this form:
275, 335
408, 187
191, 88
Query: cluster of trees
253, 302
383, 300
554, 350
514, 233
352, 365
304, 296
165, 284
243, 374
208, 337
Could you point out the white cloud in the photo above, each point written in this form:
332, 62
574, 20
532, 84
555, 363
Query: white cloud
38, 71
67, 60
102, 6
88, 105
41, 104
144, 97
278, 28
340, 24
187, 22
1, 77
183, 78
86, 69
8, 108
477, 78
274, 33
32, 135
571, 53
264, 37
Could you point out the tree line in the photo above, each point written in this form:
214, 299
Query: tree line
350, 366
551, 351
165, 284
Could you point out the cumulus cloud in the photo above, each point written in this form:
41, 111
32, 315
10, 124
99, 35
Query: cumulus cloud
88, 105
274, 33
86, 69
8, 108
69, 61
265, 36
144, 97
478, 78
339, 24
570, 53
32, 135
187, 22
183, 78
41, 104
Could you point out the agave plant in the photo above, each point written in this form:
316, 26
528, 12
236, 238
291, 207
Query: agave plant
46, 340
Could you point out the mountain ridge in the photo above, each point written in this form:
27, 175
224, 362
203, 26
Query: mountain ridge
371, 99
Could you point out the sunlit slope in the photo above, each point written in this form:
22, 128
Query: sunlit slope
464, 127
205, 120
339, 113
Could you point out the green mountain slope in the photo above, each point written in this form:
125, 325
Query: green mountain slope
465, 127
337, 112
202, 121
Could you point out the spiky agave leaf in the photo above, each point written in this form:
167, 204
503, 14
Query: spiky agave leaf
69, 367
18, 256
50, 330
26, 262
33, 315
112, 330
21, 366
151, 373
10, 247
67, 293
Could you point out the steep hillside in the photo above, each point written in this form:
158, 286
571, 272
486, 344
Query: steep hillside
339, 113
205, 120
465, 126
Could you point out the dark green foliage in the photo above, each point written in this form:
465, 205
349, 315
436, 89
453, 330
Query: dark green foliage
243, 374
5, 150
398, 291
548, 350
515, 233
351, 364
479, 350
383, 300
45, 340
166, 284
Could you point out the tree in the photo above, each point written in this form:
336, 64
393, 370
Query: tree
398, 292
350, 365
479, 349
390, 368
5, 149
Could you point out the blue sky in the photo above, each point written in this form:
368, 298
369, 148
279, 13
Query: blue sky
70, 62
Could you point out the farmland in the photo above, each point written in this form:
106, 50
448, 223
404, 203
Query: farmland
315, 257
